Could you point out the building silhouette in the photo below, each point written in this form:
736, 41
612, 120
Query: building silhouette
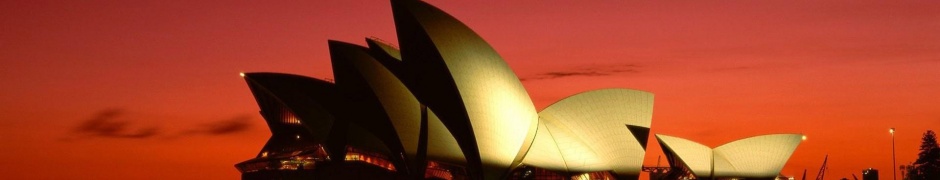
870, 174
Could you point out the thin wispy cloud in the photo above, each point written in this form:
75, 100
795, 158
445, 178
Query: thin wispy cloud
109, 123
731, 69
232, 125
117, 123
597, 70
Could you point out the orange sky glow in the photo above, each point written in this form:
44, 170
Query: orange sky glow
164, 74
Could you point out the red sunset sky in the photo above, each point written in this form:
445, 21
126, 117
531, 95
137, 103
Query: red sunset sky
160, 78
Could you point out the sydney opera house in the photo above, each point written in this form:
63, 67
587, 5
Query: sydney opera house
444, 105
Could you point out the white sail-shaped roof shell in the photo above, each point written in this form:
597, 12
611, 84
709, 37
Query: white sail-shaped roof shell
442, 146
489, 100
400, 104
403, 108
759, 156
697, 157
588, 132
754, 157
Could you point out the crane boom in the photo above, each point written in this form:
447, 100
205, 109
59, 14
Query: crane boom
822, 170
804, 174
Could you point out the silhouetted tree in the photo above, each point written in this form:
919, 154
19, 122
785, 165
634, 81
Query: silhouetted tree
927, 166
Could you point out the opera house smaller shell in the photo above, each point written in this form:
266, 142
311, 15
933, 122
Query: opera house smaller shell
758, 157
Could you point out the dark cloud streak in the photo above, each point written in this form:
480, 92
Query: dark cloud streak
107, 124
589, 71
111, 123
732, 69
233, 125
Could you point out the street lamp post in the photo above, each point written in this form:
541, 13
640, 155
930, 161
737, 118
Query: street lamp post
894, 160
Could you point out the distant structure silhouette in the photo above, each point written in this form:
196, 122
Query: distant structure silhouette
870, 174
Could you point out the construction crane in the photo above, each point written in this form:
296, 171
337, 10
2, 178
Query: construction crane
822, 170
804, 174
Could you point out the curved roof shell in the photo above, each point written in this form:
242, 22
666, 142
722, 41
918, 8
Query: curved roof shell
755, 157
375, 86
384, 106
468, 85
293, 93
695, 156
600, 130
758, 156
319, 107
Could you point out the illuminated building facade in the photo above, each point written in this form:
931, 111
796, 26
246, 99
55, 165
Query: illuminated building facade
442, 106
